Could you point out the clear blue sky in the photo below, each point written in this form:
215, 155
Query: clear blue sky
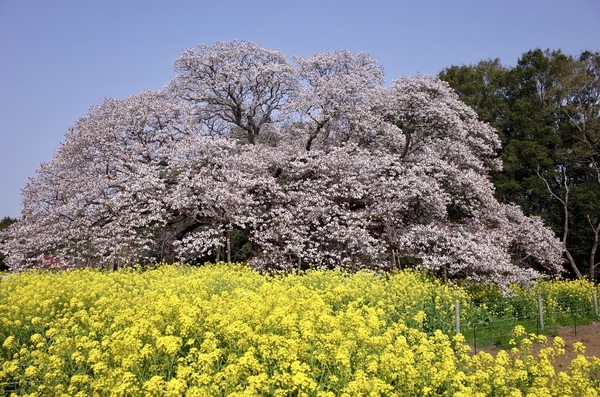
57, 58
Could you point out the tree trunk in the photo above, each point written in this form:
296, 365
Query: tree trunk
228, 236
445, 273
596, 230
564, 239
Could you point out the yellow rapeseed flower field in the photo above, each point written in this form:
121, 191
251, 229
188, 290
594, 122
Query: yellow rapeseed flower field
224, 330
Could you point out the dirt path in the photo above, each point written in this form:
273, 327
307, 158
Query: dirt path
588, 334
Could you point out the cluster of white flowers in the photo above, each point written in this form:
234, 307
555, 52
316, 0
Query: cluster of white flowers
317, 164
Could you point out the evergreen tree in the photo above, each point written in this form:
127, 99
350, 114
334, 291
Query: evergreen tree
546, 110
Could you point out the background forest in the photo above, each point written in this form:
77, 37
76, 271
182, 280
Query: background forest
546, 110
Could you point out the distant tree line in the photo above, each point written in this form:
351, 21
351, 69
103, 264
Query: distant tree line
546, 110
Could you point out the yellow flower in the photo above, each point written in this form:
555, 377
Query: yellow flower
578, 347
175, 387
519, 331
420, 317
10, 342
169, 344
31, 371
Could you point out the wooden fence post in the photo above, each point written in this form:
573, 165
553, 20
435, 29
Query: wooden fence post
457, 317
540, 312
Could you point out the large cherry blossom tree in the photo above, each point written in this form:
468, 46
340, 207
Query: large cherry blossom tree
318, 165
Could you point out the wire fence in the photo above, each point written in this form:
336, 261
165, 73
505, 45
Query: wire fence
492, 323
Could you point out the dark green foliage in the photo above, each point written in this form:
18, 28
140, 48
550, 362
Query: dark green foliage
4, 223
241, 247
547, 113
